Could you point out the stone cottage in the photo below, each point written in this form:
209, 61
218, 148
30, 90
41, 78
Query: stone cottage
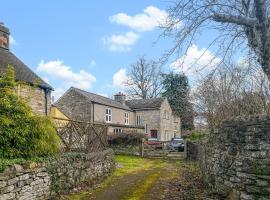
150, 116
30, 87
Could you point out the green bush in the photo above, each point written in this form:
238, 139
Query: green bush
194, 136
22, 134
130, 138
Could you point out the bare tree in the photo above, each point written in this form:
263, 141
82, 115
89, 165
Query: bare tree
232, 91
144, 80
237, 22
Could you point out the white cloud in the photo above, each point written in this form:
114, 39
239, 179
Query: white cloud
57, 93
64, 73
151, 18
103, 94
120, 78
121, 42
196, 61
93, 63
12, 41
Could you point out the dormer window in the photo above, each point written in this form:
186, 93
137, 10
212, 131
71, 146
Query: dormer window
108, 116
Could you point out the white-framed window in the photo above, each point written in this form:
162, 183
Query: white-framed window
108, 116
117, 131
138, 120
126, 118
145, 129
166, 114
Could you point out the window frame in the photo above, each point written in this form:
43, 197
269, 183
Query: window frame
108, 115
138, 120
126, 118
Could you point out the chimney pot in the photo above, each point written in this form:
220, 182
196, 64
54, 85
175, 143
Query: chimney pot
120, 97
4, 36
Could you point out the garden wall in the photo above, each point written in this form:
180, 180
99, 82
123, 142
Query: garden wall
57, 175
236, 158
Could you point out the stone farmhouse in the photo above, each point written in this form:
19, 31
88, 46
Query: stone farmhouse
30, 87
150, 116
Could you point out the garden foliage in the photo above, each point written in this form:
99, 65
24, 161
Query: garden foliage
22, 134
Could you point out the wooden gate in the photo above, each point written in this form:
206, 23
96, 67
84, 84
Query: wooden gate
81, 136
160, 149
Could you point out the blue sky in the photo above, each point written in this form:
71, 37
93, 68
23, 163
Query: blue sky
88, 44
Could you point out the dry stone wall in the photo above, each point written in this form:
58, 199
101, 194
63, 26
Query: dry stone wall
59, 174
236, 158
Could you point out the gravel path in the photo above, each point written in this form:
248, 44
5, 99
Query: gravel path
149, 180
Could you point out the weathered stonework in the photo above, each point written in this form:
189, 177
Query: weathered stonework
58, 175
236, 159
35, 98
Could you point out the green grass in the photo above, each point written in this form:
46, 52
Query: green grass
131, 164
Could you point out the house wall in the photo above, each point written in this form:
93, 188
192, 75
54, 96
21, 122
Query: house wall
169, 125
55, 112
118, 115
75, 106
151, 118
35, 97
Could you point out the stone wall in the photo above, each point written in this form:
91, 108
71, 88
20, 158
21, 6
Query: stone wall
58, 175
236, 158
35, 97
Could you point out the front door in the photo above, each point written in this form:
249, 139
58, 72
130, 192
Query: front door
153, 133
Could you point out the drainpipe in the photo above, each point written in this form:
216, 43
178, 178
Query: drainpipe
46, 102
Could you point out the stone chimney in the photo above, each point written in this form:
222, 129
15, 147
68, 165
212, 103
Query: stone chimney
4, 36
120, 97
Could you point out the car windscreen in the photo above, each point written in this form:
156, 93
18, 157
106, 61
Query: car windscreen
178, 141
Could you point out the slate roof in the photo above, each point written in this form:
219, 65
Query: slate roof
22, 72
91, 97
74, 95
138, 104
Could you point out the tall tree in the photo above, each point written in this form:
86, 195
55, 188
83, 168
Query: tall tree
144, 79
236, 22
176, 89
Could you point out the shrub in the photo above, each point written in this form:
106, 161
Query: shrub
22, 134
194, 136
126, 138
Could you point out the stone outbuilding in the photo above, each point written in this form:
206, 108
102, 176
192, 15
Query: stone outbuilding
153, 117
30, 87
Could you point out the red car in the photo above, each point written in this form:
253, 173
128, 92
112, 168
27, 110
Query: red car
153, 142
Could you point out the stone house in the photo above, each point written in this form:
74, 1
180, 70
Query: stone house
150, 116
30, 87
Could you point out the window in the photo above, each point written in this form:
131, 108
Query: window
117, 131
138, 120
145, 128
166, 114
108, 115
126, 118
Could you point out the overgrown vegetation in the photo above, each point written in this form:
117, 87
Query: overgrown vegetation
176, 89
129, 138
195, 136
22, 134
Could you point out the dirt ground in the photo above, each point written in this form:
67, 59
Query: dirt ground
147, 179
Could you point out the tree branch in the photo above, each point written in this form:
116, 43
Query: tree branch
239, 20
